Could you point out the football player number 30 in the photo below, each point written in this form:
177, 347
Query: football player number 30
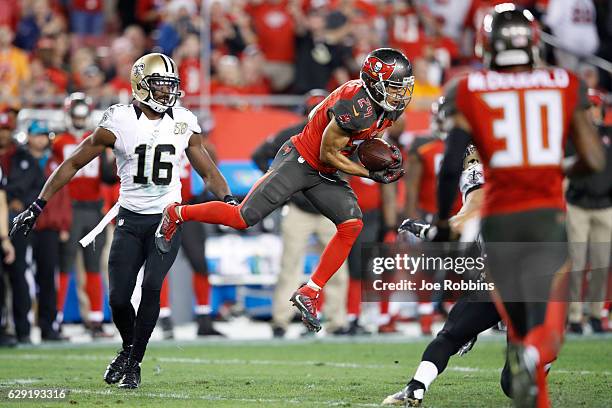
543, 115
158, 177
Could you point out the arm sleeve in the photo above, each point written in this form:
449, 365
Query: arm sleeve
583, 95
450, 170
472, 178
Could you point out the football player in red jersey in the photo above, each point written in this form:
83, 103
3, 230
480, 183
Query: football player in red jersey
87, 203
518, 117
310, 162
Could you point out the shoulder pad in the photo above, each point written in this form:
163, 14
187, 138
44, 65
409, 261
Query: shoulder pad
355, 114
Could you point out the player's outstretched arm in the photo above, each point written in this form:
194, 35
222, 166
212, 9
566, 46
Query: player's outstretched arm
591, 156
457, 141
204, 165
89, 149
334, 140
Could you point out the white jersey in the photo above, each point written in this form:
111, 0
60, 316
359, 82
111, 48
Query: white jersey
472, 177
148, 155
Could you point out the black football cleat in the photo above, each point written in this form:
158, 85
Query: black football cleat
131, 375
523, 382
305, 299
114, 371
410, 396
167, 327
205, 326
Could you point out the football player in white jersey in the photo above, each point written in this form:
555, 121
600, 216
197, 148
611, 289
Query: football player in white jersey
148, 138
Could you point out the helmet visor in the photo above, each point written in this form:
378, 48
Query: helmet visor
164, 91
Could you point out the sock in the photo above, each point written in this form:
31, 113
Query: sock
353, 300
214, 212
164, 295
426, 372
542, 401
383, 306
62, 290
313, 285
545, 341
439, 351
124, 317
93, 287
201, 290
336, 251
148, 312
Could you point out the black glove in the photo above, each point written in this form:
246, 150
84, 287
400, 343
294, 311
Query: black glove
386, 176
439, 233
231, 200
397, 158
417, 228
27, 218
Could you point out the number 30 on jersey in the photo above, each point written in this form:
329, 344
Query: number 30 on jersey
541, 112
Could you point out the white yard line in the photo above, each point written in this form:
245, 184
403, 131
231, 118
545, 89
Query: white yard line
185, 396
299, 363
19, 381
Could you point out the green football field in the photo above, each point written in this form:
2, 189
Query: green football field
311, 373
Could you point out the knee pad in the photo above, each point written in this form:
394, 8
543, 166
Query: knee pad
349, 230
271, 193
250, 215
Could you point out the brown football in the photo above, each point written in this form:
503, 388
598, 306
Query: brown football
375, 154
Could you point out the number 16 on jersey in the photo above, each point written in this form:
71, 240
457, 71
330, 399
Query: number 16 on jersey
159, 171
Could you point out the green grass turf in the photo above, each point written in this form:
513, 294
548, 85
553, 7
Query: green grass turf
296, 374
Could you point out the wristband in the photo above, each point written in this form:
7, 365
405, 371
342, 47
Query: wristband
40, 204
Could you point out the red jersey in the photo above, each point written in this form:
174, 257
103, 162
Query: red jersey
520, 122
275, 30
406, 33
185, 176
85, 185
431, 155
355, 113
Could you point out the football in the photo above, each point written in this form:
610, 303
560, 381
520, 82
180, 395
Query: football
375, 154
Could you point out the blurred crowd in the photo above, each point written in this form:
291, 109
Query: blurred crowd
49, 48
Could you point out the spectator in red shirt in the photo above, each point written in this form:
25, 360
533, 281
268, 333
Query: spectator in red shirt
255, 83
9, 13
123, 57
47, 54
275, 31
187, 57
228, 79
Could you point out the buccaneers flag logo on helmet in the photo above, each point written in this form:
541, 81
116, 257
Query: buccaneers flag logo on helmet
376, 68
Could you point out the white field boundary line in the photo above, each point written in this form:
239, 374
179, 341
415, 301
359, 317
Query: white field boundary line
302, 363
185, 396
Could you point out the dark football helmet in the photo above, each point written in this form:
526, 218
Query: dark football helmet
437, 119
509, 37
77, 111
387, 77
